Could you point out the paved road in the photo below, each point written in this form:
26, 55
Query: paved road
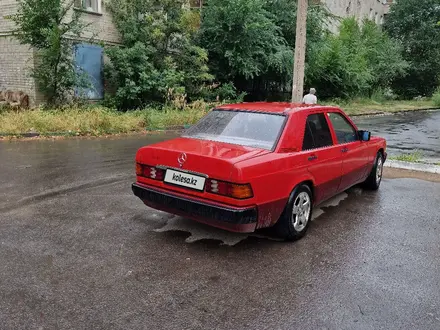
408, 132
78, 251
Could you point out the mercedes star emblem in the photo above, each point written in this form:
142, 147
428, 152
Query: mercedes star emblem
182, 159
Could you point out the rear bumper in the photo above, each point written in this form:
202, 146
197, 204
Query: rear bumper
229, 218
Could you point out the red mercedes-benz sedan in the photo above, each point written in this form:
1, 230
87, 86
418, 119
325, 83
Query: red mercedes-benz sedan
256, 165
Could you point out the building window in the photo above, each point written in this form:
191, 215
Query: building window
196, 4
89, 5
193, 4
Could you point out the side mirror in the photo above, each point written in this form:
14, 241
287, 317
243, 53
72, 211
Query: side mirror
364, 135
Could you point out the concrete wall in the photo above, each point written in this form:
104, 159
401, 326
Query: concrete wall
372, 9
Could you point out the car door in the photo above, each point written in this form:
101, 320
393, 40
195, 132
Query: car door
354, 152
323, 158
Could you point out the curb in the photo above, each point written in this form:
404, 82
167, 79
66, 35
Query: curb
73, 134
392, 113
419, 167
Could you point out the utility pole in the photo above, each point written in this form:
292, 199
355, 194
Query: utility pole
300, 52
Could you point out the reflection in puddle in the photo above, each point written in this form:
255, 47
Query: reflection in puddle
200, 231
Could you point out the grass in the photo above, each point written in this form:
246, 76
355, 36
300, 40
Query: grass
412, 157
74, 121
436, 98
160, 119
98, 120
368, 106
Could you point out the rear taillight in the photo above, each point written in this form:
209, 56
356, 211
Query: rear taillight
150, 172
234, 190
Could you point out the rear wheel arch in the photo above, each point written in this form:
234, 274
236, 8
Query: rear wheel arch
285, 227
307, 182
311, 186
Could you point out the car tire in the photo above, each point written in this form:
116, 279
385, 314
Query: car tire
297, 215
375, 177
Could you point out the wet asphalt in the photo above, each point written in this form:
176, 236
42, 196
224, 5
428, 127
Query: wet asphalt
407, 132
79, 251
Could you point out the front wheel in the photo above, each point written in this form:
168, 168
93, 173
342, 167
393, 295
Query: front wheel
297, 215
375, 178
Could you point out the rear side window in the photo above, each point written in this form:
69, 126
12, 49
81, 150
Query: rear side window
317, 133
344, 131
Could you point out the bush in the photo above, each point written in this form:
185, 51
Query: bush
356, 62
159, 61
383, 94
226, 92
436, 97
136, 79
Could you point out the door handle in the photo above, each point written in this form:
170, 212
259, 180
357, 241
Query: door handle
345, 149
313, 157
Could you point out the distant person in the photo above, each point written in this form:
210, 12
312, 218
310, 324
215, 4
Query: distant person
311, 97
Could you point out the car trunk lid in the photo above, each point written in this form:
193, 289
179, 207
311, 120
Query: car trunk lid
215, 159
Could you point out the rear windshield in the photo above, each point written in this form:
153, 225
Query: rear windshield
250, 129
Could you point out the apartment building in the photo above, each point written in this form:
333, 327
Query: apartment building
375, 10
17, 61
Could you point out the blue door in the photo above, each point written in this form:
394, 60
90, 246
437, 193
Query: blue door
89, 60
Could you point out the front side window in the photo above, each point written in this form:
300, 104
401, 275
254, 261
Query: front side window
250, 129
345, 132
317, 133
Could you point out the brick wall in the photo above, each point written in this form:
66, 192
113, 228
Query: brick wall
101, 26
16, 62
7, 7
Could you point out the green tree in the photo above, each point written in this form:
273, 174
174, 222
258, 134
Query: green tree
158, 59
251, 43
384, 56
48, 26
355, 62
414, 23
284, 14
242, 39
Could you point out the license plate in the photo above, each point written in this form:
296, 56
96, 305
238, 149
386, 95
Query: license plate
185, 180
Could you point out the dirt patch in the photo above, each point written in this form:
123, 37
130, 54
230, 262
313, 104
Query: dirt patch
396, 173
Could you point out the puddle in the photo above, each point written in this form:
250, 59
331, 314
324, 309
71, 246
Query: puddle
199, 231
407, 132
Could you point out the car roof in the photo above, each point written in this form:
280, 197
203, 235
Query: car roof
272, 107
